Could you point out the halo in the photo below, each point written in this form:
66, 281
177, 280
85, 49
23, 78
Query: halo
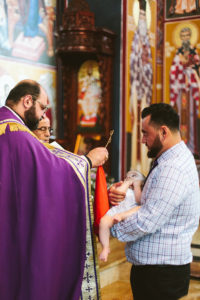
176, 34
136, 12
84, 67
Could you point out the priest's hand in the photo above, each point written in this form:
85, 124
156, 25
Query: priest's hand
98, 156
115, 196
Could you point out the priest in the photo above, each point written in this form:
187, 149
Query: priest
46, 242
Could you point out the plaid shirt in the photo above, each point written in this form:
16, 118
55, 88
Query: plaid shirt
161, 231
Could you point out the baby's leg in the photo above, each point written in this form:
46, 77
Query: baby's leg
104, 234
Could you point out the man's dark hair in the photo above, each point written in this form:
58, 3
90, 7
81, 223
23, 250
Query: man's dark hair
162, 114
24, 88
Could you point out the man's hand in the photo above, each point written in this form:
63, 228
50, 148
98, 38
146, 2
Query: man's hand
98, 156
115, 196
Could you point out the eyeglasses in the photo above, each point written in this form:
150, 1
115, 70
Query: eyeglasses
43, 128
43, 107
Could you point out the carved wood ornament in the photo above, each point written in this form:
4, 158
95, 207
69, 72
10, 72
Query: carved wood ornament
78, 40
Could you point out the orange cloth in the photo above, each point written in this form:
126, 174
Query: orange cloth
101, 203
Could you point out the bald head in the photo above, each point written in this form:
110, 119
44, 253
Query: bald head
23, 88
29, 100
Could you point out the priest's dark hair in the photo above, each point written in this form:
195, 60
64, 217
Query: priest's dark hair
23, 88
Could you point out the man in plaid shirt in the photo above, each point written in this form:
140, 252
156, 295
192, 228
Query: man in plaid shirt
159, 234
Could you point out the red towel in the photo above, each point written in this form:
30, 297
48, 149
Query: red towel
101, 203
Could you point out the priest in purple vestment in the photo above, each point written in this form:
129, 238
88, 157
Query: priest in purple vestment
46, 243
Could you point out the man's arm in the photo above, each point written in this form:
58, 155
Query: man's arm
164, 195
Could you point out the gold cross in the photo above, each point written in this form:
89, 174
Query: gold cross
110, 138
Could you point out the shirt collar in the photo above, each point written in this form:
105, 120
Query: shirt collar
15, 114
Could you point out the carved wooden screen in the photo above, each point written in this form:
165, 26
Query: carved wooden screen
85, 71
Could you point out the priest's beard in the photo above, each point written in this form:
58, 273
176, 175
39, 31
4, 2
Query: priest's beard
155, 148
31, 119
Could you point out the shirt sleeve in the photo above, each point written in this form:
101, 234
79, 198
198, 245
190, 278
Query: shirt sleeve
162, 193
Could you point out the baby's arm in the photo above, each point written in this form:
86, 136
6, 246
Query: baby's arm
137, 190
106, 223
125, 214
124, 186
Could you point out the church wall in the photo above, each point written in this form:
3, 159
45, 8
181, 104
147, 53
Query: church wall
27, 51
27, 46
108, 14
181, 67
166, 20
140, 78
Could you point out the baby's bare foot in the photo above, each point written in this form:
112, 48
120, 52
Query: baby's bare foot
104, 254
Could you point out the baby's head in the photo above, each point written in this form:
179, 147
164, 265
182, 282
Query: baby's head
135, 176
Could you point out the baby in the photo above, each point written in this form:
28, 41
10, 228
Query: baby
133, 181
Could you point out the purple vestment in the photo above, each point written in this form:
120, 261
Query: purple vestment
42, 217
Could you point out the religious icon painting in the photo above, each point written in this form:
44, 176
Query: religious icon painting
26, 30
159, 43
89, 97
140, 75
181, 9
182, 76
